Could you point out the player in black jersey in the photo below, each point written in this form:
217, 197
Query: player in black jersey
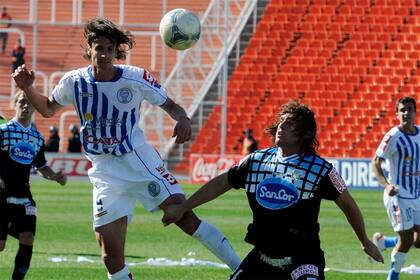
284, 186
21, 147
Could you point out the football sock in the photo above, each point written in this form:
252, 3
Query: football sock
123, 274
390, 241
22, 261
217, 243
397, 262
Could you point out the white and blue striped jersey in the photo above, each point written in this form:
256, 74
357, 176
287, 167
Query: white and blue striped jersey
109, 112
401, 152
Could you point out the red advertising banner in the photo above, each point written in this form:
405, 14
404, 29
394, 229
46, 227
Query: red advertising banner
204, 167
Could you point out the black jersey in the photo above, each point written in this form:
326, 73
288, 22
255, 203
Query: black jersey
20, 149
284, 194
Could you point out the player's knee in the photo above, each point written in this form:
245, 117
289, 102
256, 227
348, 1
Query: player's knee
26, 238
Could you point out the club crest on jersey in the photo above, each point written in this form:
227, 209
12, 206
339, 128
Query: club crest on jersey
124, 95
276, 193
153, 188
22, 153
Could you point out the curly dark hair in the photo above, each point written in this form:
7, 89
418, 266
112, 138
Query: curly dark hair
100, 26
303, 121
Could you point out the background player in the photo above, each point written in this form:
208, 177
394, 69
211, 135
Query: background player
284, 186
21, 147
125, 168
400, 149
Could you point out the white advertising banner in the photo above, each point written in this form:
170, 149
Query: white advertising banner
356, 172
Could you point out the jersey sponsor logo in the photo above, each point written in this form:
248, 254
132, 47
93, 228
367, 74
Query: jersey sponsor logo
337, 181
101, 214
86, 94
153, 188
22, 153
124, 95
101, 122
384, 144
150, 79
166, 175
30, 210
276, 193
304, 270
106, 141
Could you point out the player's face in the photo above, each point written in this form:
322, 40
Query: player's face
406, 114
103, 52
286, 137
24, 109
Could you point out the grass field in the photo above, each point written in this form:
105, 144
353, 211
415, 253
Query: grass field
64, 231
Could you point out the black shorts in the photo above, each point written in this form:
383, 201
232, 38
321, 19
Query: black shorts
17, 218
258, 266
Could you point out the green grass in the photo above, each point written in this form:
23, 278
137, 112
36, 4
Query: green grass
65, 230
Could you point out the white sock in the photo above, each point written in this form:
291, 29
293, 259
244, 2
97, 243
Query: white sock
123, 274
398, 259
217, 243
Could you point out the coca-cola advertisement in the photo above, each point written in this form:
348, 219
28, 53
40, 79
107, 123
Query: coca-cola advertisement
204, 167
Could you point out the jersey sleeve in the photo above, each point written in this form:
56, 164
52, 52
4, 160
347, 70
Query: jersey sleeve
237, 174
63, 93
332, 185
385, 148
40, 160
154, 93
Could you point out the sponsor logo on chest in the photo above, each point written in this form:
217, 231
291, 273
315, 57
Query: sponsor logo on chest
276, 193
22, 153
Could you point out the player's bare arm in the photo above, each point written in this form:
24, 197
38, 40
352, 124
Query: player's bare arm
49, 174
354, 216
24, 79
209, 191
380, 176
182, 130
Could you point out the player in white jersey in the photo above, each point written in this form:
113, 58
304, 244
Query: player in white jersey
400, 150
125, 168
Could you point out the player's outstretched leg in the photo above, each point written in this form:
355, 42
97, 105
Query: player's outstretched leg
214, 240
383, 242
208, 235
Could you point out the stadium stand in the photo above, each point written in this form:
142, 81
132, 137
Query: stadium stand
348, 60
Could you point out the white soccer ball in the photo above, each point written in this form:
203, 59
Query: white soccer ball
180, 29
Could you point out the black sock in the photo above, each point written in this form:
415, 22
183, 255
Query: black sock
22, 261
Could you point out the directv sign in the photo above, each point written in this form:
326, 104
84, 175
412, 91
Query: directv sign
357, 173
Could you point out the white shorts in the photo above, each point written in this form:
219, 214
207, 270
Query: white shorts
119, 181
403, 213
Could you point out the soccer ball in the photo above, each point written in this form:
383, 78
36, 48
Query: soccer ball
180, 29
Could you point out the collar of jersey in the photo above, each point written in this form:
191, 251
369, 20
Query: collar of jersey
288, 158
409, 134
21, 126
116, 78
